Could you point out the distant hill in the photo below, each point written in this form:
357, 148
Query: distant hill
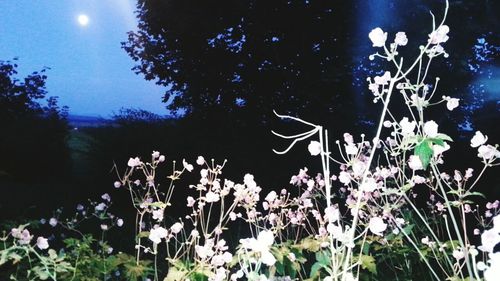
81, 121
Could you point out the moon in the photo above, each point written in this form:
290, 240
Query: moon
83, 20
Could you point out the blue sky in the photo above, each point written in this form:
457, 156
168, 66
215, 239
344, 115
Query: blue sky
89, 71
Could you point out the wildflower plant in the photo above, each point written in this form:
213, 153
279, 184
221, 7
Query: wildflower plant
360, 216
409, 151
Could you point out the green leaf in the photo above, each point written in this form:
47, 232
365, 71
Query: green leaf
175, 274
280, 268
368, 262
197, 276
424, 152
475, 193
143, 234
323, 258
315, 269
437, 141
309, 244
444, 137
407, 229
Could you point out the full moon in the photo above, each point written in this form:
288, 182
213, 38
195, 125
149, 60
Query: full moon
83, 20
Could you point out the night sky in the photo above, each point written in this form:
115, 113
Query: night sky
89, 71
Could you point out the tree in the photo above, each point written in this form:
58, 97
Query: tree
34, 130
241, 56
298, 57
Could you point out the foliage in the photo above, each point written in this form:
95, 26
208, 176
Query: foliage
381, 209
247, 58
34, 130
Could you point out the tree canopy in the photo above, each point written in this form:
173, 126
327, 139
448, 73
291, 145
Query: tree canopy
298, 57
238, 55
34, 127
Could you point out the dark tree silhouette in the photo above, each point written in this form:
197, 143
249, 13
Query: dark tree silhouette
242, 56
34, 130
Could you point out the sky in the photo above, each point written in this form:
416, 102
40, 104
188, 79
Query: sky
89, 72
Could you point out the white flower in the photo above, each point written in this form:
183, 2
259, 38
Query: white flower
232, 216
377, 225
401, 39
158, 214
493, 271
271, 196
358, 168
195, 233
117, 184
458, 255
106, 197
369, 185
348, 138
332, 214
53, 222
161, 158
23, 236
351, 149
334, 230
496, 223
261, 245
414, 163
488, 152
155, 154
407, 127
200, 160
478, 139
438, 149
314, 148
42, 243
452, 103
190, 201
431, 129
100, 207
157, 233
440, 35
382, 80
344, 178
378, 37
176, 227
489, 239
133, 162
425, 240
119, 222
481, 266
267, 258
205, 251
212, 197
187, 166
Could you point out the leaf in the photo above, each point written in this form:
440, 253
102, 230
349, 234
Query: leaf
280, 268
437, 141
407, 229
315, 269
444, 137
3, 258
309, 244
323, 258
475, 193
198, 277
175, 274
368, 262
424, 152
143, 234
52, 254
